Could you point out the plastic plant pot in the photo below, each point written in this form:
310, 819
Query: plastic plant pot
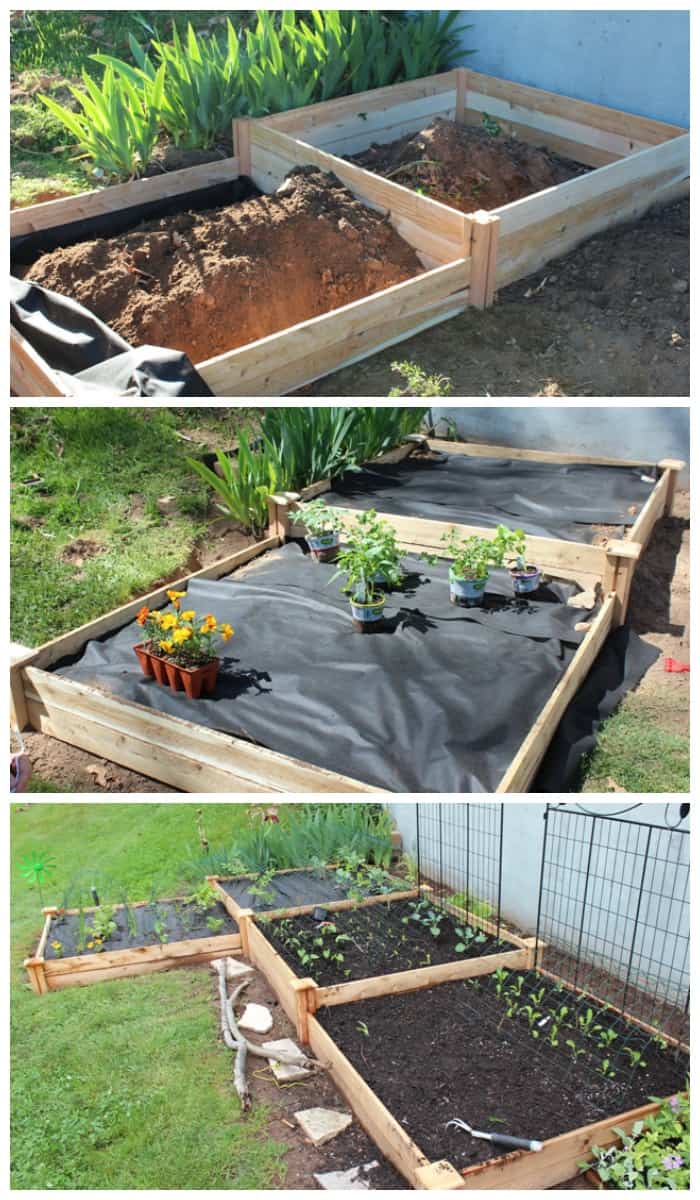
527, 580
367, 617
323, 546
159, 671
145, 659
469, 593
194, 680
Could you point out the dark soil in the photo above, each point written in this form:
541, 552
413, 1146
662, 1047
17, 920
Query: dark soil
456, 1062
466, 167
373, 941
612, 318
208, 282
182, 923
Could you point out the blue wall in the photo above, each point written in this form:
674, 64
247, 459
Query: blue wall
610, 431
633, 60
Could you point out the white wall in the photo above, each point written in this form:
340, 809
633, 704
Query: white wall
634, 60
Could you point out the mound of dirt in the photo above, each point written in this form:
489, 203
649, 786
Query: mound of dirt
211, 281
467, 168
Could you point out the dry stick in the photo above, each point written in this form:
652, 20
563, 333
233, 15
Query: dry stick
234, 1039
419, 162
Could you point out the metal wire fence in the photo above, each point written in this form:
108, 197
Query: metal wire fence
459, 854
614, 912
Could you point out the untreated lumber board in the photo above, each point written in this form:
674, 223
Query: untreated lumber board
376, 1120
280, 977
68, 643
671, 467
596, 118
187, 756
654, 508
283, 361
557, 1161
419, 978
522, 769
538, 228
489, 450
30, 375
51, 213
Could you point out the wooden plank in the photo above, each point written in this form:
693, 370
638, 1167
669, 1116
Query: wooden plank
126, 971
487, 450
187, 756
284, 361
51, 213
568, 559
544, 226
376, 1120
497, 931
483, 251
174, 952
627, 1016
37, 978
44, 937
419, 978
643, 527
671, 467
523, 767
595, 116
398, 201
241, 144
30, 375
377, 100
557, 1161
280, 977
340, 905
69, 643
355, 136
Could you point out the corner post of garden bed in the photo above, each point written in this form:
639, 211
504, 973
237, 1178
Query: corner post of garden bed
439, 1177
461, 95
620, 563
534, 949
20, 657
241, 145
34, 966
245, 918
481, 246
306, 1005
671, 466
278, 507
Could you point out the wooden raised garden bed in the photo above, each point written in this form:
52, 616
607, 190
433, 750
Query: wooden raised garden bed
610, 567
637, 162
467, 256
301, 997
49, 972
192, 757
311, 1009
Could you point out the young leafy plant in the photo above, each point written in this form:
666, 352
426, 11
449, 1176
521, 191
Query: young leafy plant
370, 558
317, 517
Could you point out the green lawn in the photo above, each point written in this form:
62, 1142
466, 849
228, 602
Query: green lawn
638, 752
124, 1084
95, 474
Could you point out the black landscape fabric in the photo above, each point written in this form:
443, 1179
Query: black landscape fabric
89, 356
439, 702
559, 500
289, 889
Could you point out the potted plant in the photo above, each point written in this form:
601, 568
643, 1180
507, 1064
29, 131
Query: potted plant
323, 525
179, 647
371, 560
525, 578
473, 556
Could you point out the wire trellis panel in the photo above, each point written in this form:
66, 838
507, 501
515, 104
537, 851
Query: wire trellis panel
459, 853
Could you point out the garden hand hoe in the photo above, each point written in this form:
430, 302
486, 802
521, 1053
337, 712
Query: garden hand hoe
498, 1139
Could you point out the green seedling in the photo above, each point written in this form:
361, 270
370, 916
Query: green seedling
635, 1057
215, 924
203, 898
362, 1028
606, 1070
500, 977
576, 1052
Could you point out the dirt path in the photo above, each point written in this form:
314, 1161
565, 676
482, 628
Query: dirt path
610, 319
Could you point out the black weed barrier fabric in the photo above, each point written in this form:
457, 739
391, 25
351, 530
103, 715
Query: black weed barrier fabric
440, 702
89, 356
289, 890
561, 500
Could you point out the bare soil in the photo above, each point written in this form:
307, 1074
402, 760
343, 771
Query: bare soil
612, 318
466, 167
208, 282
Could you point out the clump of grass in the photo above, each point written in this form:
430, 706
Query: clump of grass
638, 753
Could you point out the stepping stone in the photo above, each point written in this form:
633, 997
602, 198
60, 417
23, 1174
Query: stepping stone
256, 1018
284, 1072
235, 969
321, 1124
346, 1181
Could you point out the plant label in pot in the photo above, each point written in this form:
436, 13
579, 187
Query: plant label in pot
525, 579
467, 592
323, 546
367, 616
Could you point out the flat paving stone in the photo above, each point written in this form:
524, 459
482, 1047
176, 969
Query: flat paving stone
284, 1072
256, 1018
346, 1181
235, 969
321, 1124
